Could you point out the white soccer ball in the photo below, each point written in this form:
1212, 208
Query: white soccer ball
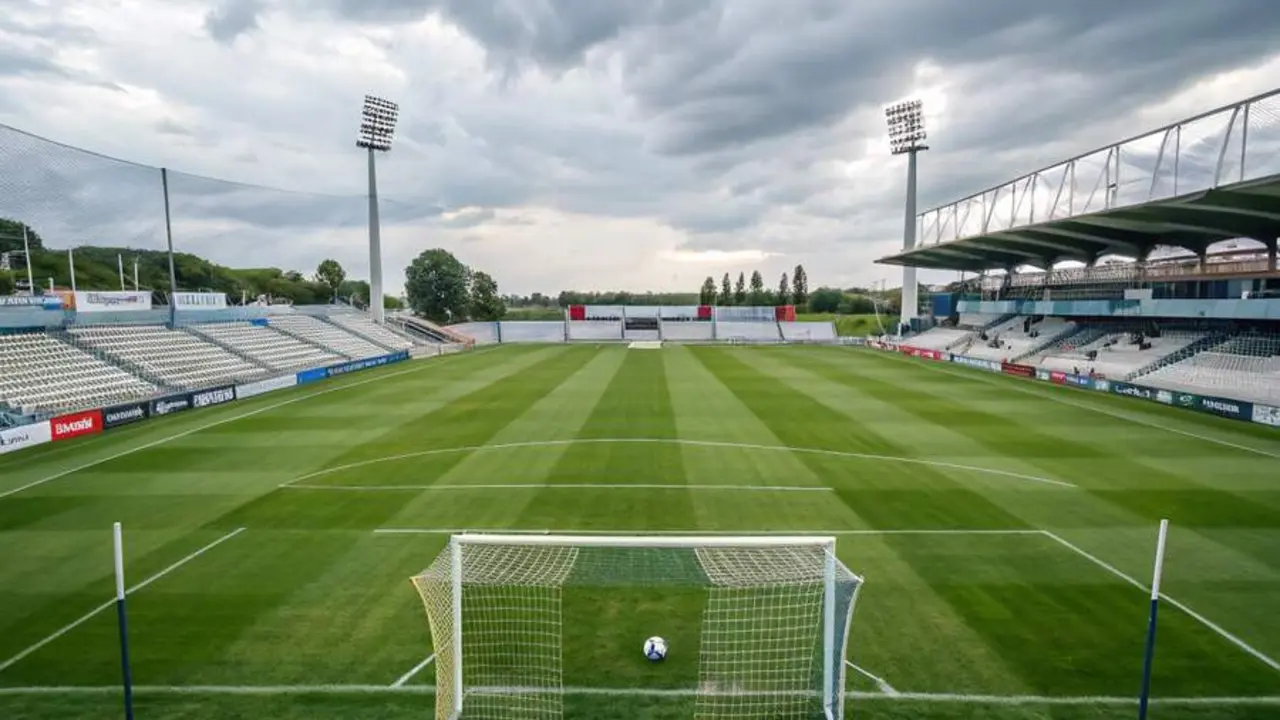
655, 649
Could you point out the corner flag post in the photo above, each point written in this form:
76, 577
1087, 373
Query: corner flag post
124, 625
1151, 622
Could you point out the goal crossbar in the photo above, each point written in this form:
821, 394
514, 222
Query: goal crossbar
651, 541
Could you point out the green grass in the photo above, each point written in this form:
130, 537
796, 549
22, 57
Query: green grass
308, 597
853, 325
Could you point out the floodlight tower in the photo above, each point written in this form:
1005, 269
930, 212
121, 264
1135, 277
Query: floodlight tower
906, 137
377, 127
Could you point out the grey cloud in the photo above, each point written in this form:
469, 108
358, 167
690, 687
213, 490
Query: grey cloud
230, 19
469, 219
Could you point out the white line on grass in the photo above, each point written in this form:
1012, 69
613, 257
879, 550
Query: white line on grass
883, 686
206, 426
413, 671
939, 698
902, 531
1053, 396
572, 486
1267, 660
684, 442
87, 616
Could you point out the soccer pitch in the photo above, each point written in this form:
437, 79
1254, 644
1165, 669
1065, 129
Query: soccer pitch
1005, 530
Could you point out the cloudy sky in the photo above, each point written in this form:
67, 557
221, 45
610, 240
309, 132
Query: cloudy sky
637, 144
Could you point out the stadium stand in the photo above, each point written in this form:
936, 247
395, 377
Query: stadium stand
750, 331
596, 330
265, 346
1119, 354
979, 321
1017, 338
365, 327
330, 336
535, 331
171, 357
1246, 367
807, 331
42, 374
939, 338
677, 331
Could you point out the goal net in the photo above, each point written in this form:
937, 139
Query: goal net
756, 626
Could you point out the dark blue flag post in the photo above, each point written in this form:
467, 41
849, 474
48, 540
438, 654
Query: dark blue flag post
1151, 622
124, 624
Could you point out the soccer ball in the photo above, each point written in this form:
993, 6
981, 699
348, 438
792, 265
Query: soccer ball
655, 649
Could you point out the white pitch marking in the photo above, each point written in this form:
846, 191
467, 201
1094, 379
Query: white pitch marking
676, 441
414, 671
1267, 660
880, 682
216, 423
572, 486
1055, 398
508, 531
87, 616
940, 698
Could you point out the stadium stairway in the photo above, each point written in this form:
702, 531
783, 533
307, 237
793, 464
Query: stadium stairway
1068, 331
229, 348
1204, 343
110, 359
420, 329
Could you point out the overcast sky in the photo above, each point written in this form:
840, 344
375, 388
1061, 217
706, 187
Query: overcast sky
590, 144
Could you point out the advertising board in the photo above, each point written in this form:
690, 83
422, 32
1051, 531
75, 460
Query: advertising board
170, 404
1235, 409
48, 302
199, 301
118, 415
1009, 368
73, 425
309, 376
114, 300
213, 396
24, 436
249, 390
988, 365
1266, 415
1138, 391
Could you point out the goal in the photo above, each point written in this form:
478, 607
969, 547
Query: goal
756, 626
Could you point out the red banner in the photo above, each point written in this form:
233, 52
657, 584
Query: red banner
1058, 378
1009, 368
66, 427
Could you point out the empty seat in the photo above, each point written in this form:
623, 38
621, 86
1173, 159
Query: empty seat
45, 375
174, 357
331, 336
364, 326
266, 346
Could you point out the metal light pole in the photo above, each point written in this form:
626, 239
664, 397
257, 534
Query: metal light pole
26, 253
377, 127
906, 137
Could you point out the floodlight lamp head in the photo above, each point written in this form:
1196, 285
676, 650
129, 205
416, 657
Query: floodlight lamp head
377, 123
906, 127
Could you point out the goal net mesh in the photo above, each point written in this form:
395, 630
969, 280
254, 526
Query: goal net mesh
746, 626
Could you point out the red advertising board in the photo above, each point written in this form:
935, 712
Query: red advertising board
65, 427
1058, 378
577, 312
1009, 368
908, 350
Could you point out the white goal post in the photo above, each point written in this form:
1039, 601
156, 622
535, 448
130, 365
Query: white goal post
756, 625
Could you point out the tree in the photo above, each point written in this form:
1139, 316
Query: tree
826, 300
784, 290
486, 304
436, 283
7, 284
726, 291
740, 290
707, 296
331, 274
800, 286
757, 288
11, 236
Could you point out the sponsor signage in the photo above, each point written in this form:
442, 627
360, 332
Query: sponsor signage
1236, 409
265, 386
365, 364
1164, 396
1042, 375
1079, 380
1102, 385
199, 301
48, 302
307, 376
118, 415
1009, 368
1186, 400
979, 363
89, 302
14, 439
1137, 391
1058, 378
1266, 415
170, 404
65, 427
214, 396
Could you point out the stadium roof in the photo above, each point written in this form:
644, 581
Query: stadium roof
1209, 178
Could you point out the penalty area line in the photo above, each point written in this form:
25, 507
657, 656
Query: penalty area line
939, 698
659, 533
413, 671
567, 486
89, 615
